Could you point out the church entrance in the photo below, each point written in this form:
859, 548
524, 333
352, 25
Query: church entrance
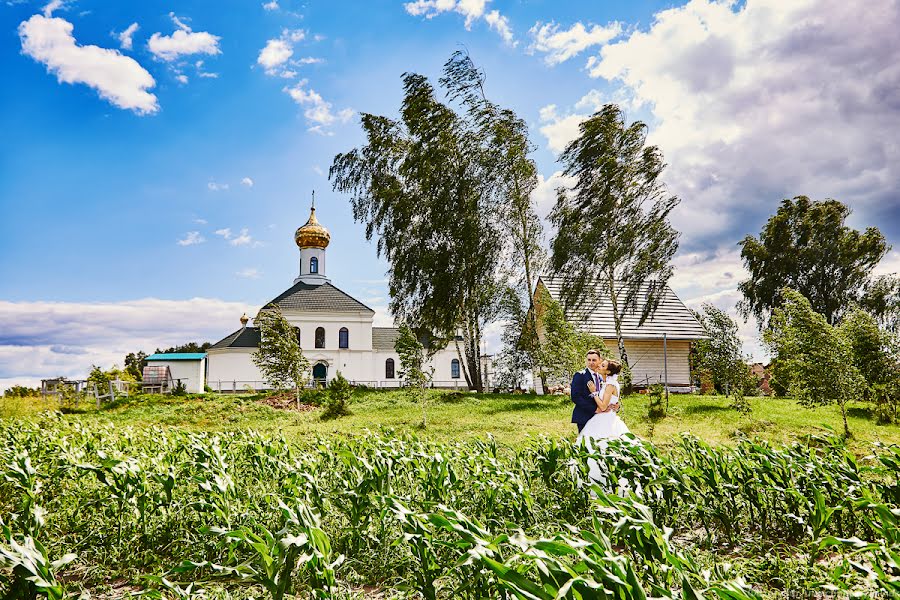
320, 372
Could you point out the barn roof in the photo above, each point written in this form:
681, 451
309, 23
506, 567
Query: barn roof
672, 317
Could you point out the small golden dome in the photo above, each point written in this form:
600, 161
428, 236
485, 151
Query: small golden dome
244, 319
312, 235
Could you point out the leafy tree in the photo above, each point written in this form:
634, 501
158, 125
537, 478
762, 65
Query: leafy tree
279, 357
135, 363
807, 247
21, 391
440, 188
190, 348
338, 398
564, 347
876, 354
720, 354
614, 242
415, 375
812, 358
881, 298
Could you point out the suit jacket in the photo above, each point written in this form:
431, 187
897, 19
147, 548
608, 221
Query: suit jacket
585, 406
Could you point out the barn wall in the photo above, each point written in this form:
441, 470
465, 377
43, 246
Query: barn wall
646, 358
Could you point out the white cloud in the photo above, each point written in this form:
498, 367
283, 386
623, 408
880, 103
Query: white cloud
561, 45
472, 10
247, 181
216, 187
757, 101
249, 273
181, 78
183, 42
200, 221
318, 112
49, 339
119, 79
318, 170
192, 238
52, 6
201, 73
310, 60
125, 37
277, 52
224, 232
273, 5
243, 239
545, 193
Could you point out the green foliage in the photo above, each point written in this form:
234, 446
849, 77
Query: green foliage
614, 244
280, 358
882, 299
337, 398
720, 355
657, 407
416, 376
807, 247
876, 352
179, 389
443, 187
135, 363
21, 391
812, 358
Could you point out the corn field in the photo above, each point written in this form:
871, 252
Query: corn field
174, 514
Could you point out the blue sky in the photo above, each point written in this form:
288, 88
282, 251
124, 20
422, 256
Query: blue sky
138, 215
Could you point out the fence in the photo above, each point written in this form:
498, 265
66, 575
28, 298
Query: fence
238, 386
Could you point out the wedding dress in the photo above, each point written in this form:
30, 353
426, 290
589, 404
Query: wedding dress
602, 427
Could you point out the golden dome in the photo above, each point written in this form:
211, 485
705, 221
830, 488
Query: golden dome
244, 319
312, 235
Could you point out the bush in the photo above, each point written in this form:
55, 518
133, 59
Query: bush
179, 389
337, 398
887, 402
657, 409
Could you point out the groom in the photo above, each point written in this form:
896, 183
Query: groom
585, 406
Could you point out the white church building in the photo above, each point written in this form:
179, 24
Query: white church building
335, 331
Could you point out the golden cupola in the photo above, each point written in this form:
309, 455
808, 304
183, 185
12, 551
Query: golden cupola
313, 234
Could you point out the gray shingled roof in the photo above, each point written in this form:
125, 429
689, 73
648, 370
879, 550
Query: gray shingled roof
672, 318
383, 338
318, 298
245, 337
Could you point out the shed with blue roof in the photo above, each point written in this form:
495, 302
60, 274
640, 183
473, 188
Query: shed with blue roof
187, 367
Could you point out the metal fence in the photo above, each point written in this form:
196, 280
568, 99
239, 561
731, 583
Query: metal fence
238, 386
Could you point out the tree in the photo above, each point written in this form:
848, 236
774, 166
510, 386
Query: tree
807, 247
415, 375
135, 363
279, 357
881, 298
337, 398
876, 352
437, 186
812, 359
564, 347
720, 354
614, 242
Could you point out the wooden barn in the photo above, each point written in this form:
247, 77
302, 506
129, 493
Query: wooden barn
658, 351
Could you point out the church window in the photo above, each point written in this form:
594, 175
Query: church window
389, 368
454, 368
320, 337
314, 265
344, 338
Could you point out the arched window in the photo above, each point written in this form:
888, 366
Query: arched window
389, 368
344, 338
314, 265
320, 337
454, 368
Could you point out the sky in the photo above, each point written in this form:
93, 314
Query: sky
156, 157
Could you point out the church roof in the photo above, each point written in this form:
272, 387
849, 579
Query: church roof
245, 337
305, 297
672, 317
383, 338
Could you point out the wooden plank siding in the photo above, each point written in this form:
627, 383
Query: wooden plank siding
646, 358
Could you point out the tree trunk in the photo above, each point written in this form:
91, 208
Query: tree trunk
617, 319
844, 415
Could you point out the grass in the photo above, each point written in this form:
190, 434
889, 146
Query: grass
511, 419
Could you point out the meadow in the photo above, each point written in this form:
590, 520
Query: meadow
221, 496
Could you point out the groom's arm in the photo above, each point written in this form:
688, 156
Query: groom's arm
581, 396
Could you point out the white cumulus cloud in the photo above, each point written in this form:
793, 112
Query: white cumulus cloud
125, 41
119, 79
562, 44
247, 181
273, 5
192, 238
216, 187
472, 10
318, 112
275, 55
182, 42
249, 273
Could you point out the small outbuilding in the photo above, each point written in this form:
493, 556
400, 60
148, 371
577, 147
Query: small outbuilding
187, 367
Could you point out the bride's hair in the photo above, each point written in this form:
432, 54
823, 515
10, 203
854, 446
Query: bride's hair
613, 366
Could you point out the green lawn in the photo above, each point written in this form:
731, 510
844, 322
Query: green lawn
511, 419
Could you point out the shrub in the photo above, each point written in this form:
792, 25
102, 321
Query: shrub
179, 389
337, 398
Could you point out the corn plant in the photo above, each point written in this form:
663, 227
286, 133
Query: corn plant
31, 570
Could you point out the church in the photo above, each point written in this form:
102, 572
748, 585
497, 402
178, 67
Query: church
335, 330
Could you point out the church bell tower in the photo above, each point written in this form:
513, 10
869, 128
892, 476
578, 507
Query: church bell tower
312, 239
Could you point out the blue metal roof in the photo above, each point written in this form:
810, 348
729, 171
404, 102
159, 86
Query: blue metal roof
178, 356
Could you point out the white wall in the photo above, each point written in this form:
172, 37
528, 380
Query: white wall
646, 359
232, 368
190, 372
359, 327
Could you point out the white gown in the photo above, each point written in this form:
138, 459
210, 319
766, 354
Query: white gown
600, 428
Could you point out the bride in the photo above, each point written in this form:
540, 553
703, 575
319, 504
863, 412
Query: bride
605, 423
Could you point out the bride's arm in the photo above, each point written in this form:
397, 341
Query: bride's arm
603, 402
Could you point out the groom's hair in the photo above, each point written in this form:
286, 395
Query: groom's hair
613, 366
593, 351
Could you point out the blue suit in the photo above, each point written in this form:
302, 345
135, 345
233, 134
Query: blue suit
585, 406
